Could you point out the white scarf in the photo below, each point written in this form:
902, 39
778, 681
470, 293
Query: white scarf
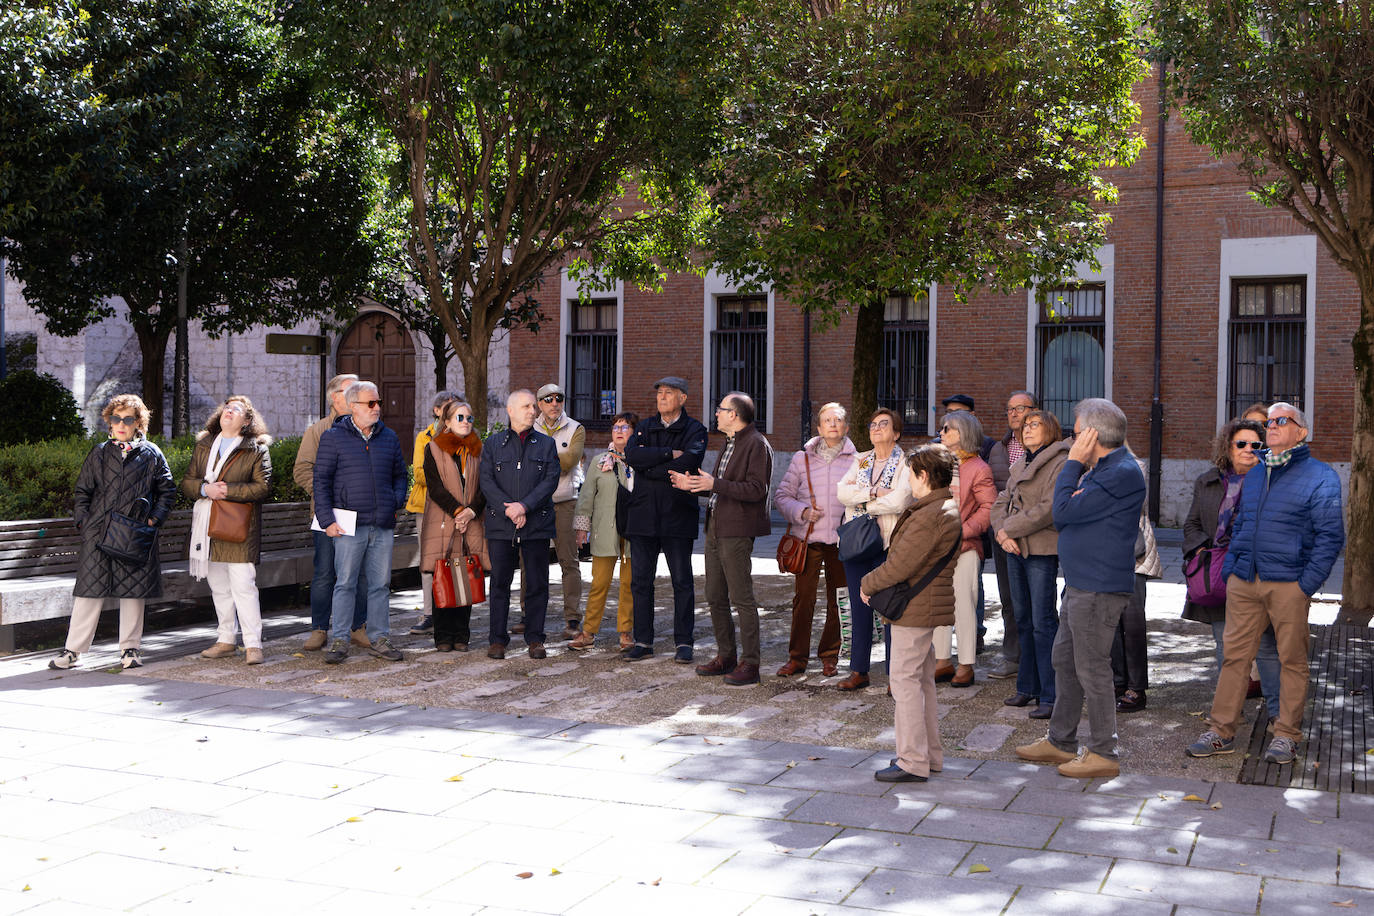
220, 450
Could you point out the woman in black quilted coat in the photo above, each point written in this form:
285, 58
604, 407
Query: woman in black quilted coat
116, 475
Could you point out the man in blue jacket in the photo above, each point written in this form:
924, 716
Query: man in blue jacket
519, 473
661, 519
1287, 534
1097, 500
360, 467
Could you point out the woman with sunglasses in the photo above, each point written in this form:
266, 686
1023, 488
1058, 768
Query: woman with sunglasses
126, 475
230, 462
415, 503
452, 523
1216, 494
598, 522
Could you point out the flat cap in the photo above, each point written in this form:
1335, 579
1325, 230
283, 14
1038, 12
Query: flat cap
958, 399
672, 381
549, 389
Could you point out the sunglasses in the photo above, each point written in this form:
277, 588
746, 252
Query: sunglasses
464, 418
1243, 444
552, 399
368, 404
946, 428
1280, 421
117, 420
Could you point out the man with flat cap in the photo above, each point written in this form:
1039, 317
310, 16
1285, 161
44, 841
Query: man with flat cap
661, 519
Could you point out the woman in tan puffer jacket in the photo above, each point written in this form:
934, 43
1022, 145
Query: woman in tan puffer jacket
924, 537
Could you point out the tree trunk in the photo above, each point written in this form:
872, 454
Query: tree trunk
152, 346
868, 352
438, 343
1357, 588
473, 357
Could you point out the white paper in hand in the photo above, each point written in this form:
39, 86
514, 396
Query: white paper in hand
346, 518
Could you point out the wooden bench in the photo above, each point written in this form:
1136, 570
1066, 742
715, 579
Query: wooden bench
38, 561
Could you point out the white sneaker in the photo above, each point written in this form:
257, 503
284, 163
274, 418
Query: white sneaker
64, 660
131, 658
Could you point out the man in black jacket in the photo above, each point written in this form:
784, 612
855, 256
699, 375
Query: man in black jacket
519, 472
661, 519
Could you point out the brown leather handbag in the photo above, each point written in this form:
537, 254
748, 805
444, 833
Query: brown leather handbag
230, 522
792, 549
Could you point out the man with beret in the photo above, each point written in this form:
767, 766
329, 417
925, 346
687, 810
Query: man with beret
570, 438
661, 519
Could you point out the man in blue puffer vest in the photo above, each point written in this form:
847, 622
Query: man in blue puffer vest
519, 473
360, 467
1288, 532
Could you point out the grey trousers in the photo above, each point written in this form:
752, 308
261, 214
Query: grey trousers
729, 580
565, 545
1082, 658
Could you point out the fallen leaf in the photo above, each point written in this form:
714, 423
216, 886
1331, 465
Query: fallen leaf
554, 871
1196, 798
1313, 820
1343, 904
335, 786
654, 883
740, 791
978, 869
709, 741
353, 820
298, 655
791, 764
1271, 850
1163, 797
822, 758
1172, 849
1370, 752
1215, 806
454, 779
396, 869
26, 888
42, 858
525, 874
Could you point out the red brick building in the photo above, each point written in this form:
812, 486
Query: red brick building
1253, 309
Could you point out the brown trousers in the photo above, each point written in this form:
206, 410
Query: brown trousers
1250, 608
818, 556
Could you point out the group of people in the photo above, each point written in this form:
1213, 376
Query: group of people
913, 529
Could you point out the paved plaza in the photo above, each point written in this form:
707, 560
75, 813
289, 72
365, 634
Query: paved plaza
589, 785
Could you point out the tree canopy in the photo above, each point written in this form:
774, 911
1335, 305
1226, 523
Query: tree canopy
1286, 89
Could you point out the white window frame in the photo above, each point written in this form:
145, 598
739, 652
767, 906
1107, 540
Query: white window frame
570, 291
1266, 257
713, 288
1083, 273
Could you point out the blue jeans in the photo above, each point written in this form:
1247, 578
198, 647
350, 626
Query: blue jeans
534, 587
677, 552
365, 553
861, 616
1267, 660
1032, 582
322, 586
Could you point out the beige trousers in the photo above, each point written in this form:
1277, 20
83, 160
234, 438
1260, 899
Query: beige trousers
965, 627
912, 678
86, 615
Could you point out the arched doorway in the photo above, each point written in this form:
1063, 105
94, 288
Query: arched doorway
378, 349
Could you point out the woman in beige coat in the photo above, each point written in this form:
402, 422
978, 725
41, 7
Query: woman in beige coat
230, 462
924, 536
452, 523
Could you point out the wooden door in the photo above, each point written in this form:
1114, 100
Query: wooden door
379, 350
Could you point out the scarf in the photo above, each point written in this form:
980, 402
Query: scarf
1272, 460
889, 471
220, 450
826, 453
1232, 482
126, 448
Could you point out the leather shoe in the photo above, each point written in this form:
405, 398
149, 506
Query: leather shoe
1042, 711
496, 650
219, 650
1018, 700
962, 677
638, 652
1043, 751
252, 656
742, 676
537, 651
1131, 701
683, 655
583, 641
895, 773
359, 638
829, 668
443, 647
856, 681
943, 672
716, 667
792, 668
316, 640
572, 630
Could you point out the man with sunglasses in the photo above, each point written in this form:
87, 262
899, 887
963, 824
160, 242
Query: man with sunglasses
360, 467
571, 439
1288, 531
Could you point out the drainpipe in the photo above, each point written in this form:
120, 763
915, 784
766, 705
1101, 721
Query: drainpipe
1156, 402
806, 377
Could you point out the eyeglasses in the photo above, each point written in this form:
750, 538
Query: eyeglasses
552, 399
233, 408
464, 418
725, 410
117, 420
368, 404
622, 428
1243, 444
1280, 421
1033, 424
1019, 408
880, 424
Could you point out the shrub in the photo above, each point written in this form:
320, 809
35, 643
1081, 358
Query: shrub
37, 407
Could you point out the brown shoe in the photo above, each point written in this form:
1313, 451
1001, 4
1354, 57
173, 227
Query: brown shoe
717, 666
583, 641
626, 640
537, 651
944, 671
316, 640
219, 650
829, 668
855, 681
1088, 765
359, 638
253, 656
572, 630
1043, 752
496, 650
963, 677
743, 676
792, 668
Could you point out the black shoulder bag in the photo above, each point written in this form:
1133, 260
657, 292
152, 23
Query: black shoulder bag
129, 538
891, 602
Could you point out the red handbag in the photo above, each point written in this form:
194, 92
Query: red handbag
442, 589
476, 579
458, 582
792, 549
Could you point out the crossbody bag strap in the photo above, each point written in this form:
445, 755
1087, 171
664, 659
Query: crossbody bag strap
934, 571
806, 459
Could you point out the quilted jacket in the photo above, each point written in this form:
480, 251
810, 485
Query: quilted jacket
108, 484
519, 472
794, 497
655, 508
248, 473
365, 475
1288, 527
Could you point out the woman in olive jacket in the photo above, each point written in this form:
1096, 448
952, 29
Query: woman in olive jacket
924, 537
230, 462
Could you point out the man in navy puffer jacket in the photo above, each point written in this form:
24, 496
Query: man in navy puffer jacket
360, 467
1288, 532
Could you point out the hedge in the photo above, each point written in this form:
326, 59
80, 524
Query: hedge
40, 476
